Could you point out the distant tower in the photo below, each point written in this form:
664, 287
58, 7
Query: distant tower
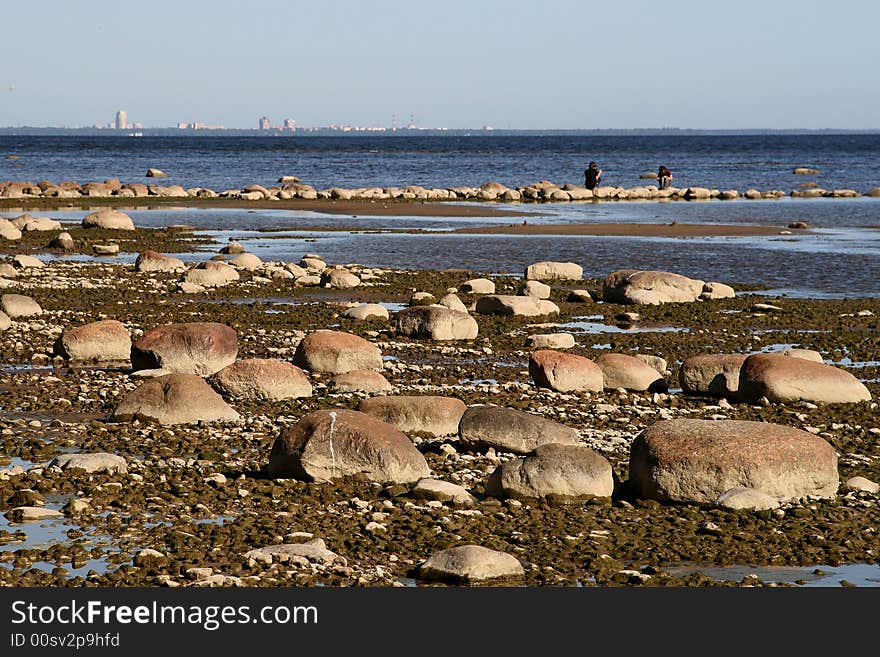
121, 120
412, 122
290, 124
265, 124
394, 121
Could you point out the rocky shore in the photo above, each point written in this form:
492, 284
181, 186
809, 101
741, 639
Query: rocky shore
247, 423
289, 188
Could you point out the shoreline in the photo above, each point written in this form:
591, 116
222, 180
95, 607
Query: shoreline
634, 230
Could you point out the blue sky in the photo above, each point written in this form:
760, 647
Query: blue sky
456, 64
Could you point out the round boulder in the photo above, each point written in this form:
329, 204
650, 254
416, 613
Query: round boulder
427, 414
94, 462
108, 219
336, 352
478, 286
711, 374
367, 311
554, 271
631, 373
535, 289
515, 306
783, 379
510, 430
107, 340
551, 341
560, 473
339, 278
368, 381
435, 322
154, 261
470, 564
175, 399
246, 261
698, 460
211, 274
633, 286
327, 445
18, 305
201, 348
453, 302
565, 372
262, 379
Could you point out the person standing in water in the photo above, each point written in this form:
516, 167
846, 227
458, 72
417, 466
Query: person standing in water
592, 176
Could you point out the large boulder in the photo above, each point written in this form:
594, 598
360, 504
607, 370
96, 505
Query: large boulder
107, 340
510, 430
367, 311
246, 262
535, 289
368, 381
212, 274
713, 291
91, 462
339, 278
435, 322
565, 372
633, 286
453, 302
631, 373
551, 341
24, 261
108, 219
478, 286
560, 473
432, 415
262, 379
175, 399
154, 261
470, 564
18, 305
201, 348
698, 460
326, 445
41, 224
554, 271
784, 379
517, 306
336, 352
8, 230
711, 374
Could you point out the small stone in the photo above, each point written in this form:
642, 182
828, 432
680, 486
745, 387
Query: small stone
861, 484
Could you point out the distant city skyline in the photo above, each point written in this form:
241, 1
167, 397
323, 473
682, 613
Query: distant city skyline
743, 64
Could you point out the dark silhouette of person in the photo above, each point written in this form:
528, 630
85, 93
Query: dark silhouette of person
592, 176
664, 177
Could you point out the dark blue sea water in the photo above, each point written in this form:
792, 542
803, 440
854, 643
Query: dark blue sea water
840, 257
715, 161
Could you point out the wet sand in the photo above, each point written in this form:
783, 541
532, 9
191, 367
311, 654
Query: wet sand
629, 230
385, 208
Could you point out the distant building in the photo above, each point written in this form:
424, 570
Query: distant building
182, 125
265, 124
121, 120
290, 124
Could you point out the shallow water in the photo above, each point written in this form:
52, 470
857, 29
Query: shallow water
837, 259
595, 328
860, 574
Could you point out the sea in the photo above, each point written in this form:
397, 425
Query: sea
838, 257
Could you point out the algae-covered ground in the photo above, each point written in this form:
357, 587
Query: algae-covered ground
171, 501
